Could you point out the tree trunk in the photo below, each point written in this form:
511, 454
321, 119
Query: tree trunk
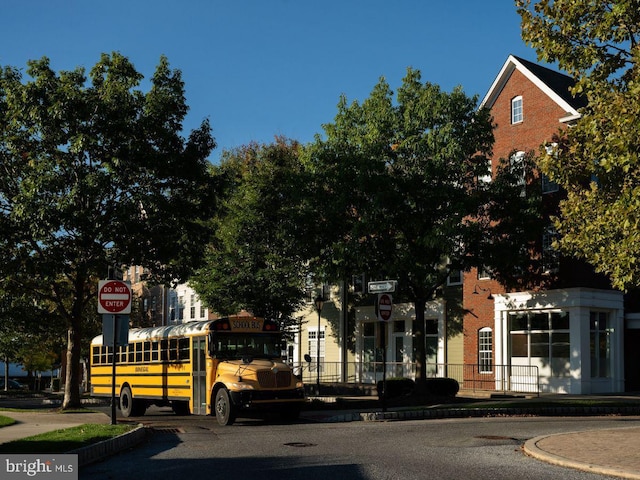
419, 345
74, 349
73, 371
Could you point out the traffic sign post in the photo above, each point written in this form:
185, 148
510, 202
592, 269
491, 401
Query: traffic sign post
114, 302
385, 309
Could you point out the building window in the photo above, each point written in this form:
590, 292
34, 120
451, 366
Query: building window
487, 176
368, 346
316, 349
548, 185
455, 277
484, 272
431, 344
518, 167
516, 110
485, 350
600, 345
181, 307
542, 337
192, 307
550, 256
202, 310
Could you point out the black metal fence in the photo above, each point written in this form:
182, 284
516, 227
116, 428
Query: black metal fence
496, 378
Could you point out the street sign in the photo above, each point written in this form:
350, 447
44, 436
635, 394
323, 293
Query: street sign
385, 286
385, 307
114, 296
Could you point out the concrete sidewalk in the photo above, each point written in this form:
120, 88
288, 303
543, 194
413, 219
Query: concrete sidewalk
609, 452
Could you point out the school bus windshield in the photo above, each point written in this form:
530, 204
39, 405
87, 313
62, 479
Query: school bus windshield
239, 345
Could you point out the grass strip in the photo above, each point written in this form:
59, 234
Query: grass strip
66, 439
6, 421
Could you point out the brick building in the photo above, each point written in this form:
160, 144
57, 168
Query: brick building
569, 329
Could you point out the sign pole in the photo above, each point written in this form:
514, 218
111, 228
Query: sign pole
383, 328
385, 308
113, 371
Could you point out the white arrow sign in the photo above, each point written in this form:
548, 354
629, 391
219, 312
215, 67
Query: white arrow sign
385, 286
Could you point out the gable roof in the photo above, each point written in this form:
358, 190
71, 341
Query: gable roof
554, 84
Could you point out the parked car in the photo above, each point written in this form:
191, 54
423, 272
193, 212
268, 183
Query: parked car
13, 385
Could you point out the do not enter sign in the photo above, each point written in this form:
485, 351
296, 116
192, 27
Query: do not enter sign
385, 307
114, 297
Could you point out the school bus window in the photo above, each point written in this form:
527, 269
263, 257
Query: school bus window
138, 351
104, 355
109, 355
95, 351
173, 349
124, 353
147, 351
183, 347
164, 347
131, 352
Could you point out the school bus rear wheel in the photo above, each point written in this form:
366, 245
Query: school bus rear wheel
129, 406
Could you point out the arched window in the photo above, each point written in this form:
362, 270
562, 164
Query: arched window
516, 110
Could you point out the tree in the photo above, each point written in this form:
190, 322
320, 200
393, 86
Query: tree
597, 162
400, 189
257, 258
95, 173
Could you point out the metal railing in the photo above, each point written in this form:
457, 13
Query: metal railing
473, 377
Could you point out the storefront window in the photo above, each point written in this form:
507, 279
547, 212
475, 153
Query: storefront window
543, 336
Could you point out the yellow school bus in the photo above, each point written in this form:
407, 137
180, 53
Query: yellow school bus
214, 367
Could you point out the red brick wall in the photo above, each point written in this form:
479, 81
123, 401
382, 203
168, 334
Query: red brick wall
541, 117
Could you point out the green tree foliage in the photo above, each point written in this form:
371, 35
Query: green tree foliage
257, 258
597, 161
94, 172
512, 223
400, 190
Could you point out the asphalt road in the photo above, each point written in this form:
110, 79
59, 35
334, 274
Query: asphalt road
482, 448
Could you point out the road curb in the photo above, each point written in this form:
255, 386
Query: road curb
106, 448
439, 413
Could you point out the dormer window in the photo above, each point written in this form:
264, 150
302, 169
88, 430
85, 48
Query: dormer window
516, 110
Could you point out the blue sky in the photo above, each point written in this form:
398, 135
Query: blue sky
260, 68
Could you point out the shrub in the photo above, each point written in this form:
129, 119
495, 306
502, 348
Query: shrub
396, 387
443, 387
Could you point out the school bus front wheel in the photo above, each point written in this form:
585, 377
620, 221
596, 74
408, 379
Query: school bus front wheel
224, 409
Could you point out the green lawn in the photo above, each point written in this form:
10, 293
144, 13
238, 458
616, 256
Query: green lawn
65, 440
6, 421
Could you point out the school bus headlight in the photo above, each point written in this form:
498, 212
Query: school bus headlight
241, 386
299, 384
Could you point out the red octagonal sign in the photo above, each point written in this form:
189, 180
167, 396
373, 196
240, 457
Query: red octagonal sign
385, 307
114, 296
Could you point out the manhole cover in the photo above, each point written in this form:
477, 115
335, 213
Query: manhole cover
299, 444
